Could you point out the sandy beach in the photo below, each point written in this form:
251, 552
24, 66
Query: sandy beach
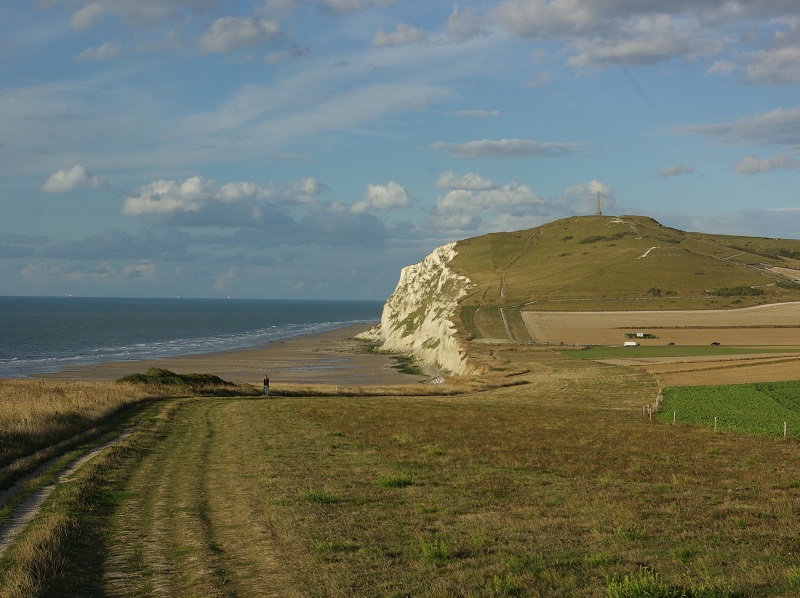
330, 357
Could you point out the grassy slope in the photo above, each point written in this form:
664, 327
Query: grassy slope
547, 489
591, 263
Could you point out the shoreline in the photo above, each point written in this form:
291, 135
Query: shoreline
329, 357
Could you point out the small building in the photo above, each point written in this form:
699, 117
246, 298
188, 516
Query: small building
630, 344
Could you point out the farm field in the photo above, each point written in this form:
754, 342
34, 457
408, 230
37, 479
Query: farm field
553, 486
760, 408
765, 325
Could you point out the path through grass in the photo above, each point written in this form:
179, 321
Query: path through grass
553, 488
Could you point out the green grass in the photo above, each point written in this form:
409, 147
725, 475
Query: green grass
676, 351
760, 408
555, 488
593, 263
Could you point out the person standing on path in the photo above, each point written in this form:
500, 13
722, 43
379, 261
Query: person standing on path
266, 385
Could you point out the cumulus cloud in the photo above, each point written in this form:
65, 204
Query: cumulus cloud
473, 203
676, 170
107, 51
463, 25
774, 66
509, 148
477, 113
88, 16
67, 180
136, 12
598, 34
647, 40
164, 198
721, 67
468, 182
777, 127
345, 6
235, 33
403, 34
308, 186
582, 198
384, 197
752, 164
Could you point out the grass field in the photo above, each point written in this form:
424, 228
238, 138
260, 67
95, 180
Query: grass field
555, 486
761, 408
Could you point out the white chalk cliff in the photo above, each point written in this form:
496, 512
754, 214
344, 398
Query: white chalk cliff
418, 316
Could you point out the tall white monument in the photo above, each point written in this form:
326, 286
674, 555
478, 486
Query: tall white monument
597, 212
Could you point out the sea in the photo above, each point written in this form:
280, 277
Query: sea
41, 335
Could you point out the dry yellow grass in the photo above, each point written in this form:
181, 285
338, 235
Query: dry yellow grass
36, 413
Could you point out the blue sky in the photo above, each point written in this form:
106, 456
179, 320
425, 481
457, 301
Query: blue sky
312, 148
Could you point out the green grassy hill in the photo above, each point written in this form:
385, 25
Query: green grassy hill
617, 263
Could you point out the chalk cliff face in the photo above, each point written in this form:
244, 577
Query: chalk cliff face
417, 317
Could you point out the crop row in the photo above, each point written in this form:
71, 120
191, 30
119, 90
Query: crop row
760, 408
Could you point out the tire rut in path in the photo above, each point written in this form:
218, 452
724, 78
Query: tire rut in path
28, 508
188, 527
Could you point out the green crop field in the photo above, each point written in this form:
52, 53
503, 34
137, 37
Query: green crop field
760, 408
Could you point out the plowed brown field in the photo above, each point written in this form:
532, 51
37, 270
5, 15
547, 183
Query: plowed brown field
774, 325
763, 326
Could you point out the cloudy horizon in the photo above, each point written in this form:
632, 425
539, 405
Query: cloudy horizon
312, 148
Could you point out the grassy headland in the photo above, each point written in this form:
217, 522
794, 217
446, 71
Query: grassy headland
617, 263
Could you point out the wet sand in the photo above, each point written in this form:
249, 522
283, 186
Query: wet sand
331, 357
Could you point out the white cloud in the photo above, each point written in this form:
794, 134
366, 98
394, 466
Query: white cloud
676, 170
646, 40
477, 113
88, 16
473, 203
777, 127
468, 182
751, 164
463, 25
721, 67
583, 197
508, 148
67, 180
234, 33
774, 66
603, 33
107, 51
308, 186
345, 6
384, 197
191, 195
403, 34
135, 12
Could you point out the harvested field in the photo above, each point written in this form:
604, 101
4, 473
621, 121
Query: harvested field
776, 325
739, 369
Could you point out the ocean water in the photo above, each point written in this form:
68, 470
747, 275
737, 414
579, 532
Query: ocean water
46, 334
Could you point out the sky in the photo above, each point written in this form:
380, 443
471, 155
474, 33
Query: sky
310, 149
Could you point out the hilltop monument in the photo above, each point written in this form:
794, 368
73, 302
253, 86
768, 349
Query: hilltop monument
597, 211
